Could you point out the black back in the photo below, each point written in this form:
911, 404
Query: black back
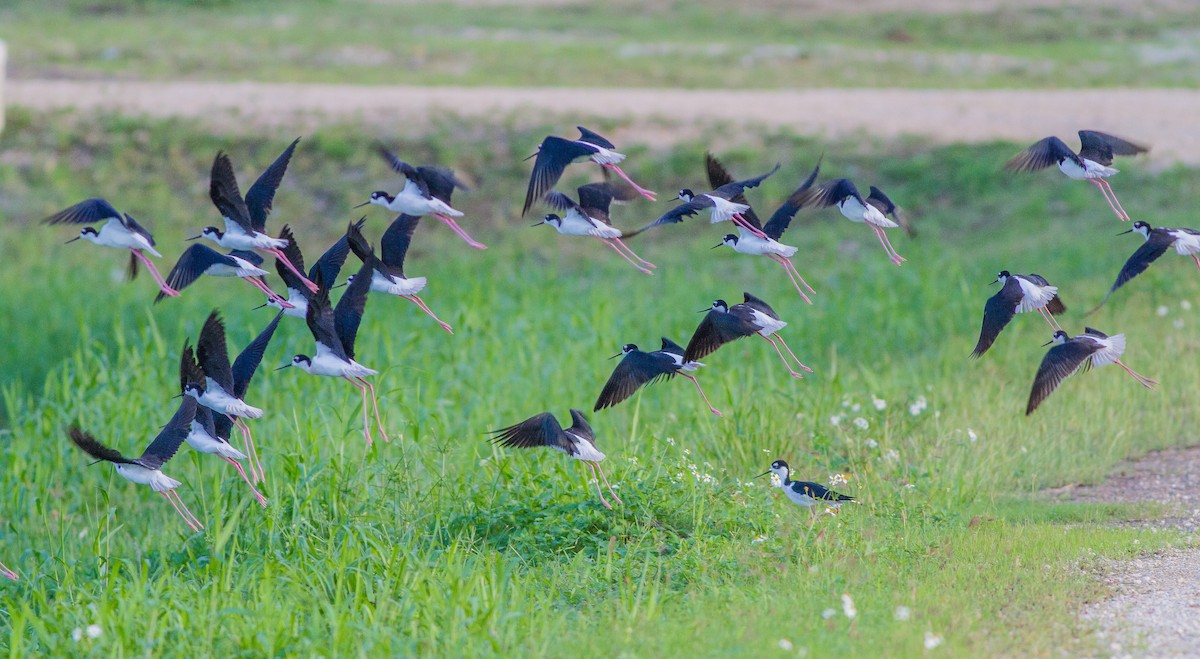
1060, 362
166, 444
553, 156
730, 190
831, 193
544, 430
758, 304
194, 261
592, 137
635, 369
717, 329
1042, 153
998, 312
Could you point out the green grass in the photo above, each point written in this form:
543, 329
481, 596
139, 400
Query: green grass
437, 543
677, 44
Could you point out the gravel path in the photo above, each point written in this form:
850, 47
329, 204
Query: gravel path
1163, 118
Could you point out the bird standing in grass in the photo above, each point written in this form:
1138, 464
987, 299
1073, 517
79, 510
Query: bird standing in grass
555, 153
1018, 294
724, 323
1158, 239
638, 368
578, 441
147, 468
804, 493
1091, 164
1071, 354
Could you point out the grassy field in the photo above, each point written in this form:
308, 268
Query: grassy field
764, 44
437, 543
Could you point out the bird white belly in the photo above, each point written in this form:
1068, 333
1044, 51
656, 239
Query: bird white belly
201, 441
585, 450
398, 285
218, 400
767, 325
158, 481
1113, 348
1035, 297
1096, 170
605, 156
800, 498
723, 210
1186, 243
332, 366
574, 224
852, 210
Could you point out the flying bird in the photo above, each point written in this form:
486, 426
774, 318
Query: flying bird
1018, 294
589, 217
803, 493
872, 211
387, 273
1091, 164
555, 153
330, 264
199, 260
724, 323
719, 203
426, 191
120, 230
146, 469
578, 441
638, 368
1071, 354
1158, 239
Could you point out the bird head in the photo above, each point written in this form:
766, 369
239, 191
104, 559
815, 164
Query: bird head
212, 233
686, 194
193, 389
302, 362
1002, 277
379, 198
1141, 227
87, 233
551, 219
778, 468
729, 239
625, 350
1060, 337
720, 305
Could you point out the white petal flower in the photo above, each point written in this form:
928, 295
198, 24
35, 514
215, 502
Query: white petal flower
758, 539
971, 435
879, 403
76, 634
1163, 310
1185, 305
892, 455
902, 613
785, 645
862, 423
93, 631
848, 606
838, 479
828, 613
855, 407
933, 640
871, 443
835, 420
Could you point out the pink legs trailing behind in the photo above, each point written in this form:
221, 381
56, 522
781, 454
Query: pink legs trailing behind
792, 274
459, 230
162, 284
745, 224
1049, 318
251, 452
639, 189
1110, 197
1196, 259
771, 339
271, 295
596, 468
375, 406
633, 254
623, 255
257, 495
697, 383
278, 253
1141, 379
887, 245
416, 299
368, 389
177, 503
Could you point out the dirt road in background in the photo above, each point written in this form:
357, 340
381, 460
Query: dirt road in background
1163, 118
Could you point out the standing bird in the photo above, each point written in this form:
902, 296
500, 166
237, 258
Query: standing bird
1091, 164
578, 441
718, 202
387, 274
120, 230
589, 217
147, 468
246, 219
210, 432
872, 211
749, 243
225, 386
1158, 239
330, 264
555, 153
1018, 294
724, 323
199, 260
803, 493
335, 331
638, 368
1070, 354
426, 191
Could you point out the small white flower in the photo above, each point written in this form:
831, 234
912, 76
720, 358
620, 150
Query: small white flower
892, 455
671, 441
855, 407
1163, 311
862, 423
1178, 323
633, 459
848, 606
838, 479
483, 462
828, 613
766, 450
93, 631
971, 435
835, 420
758, 540
933, 640
879, 403
909, 486
871, 443
687, 451
76, 634
775, 480
1185, 305
902, 613
845, 403
785, 645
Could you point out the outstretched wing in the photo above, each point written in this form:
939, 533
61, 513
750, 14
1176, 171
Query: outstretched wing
1101, 147
553, 156
212, 352
997, 313
1042, 153
717, 329
88, 211
396, 240
261, 195
330, 263
295, 256
319, 318
782, 217
719, 176
538, 430
676, 215
635, 369
830, 193
167, 442
730, 190
440, 182
94, 448
1141, 259
592, 137
248, 360
1059, 363
191, 264
225, 195
597, 196
348, 314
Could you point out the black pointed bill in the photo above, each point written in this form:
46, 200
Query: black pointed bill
363, 204
283, 367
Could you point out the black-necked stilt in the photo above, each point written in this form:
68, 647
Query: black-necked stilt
426, 191
1091, 164
555, 153
1158, 239
225, 386
335, 332
1018, 294
246, 219
638, 368
6, 572
578, 441
589, 217
147, 468
387, 273
769, 246
199, 260
210, 432
120, 230
724, 323
803, 493
330, 264
872, 211
719, 203
1093, 348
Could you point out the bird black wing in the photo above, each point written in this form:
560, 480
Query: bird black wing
717, 329
330, 263
363, 249
167, 442
204, 416
782, 217
719, 176
597, 196
1059, 363
1101, 147
212, 353
261, 195
670, 347
88, 211
636, 368
404, 169
592, 137
561, 202
191, 264
818, 491
730, 190
222, 424
675, 215
225, 195
293, 254
538, 430
580, 426
1042, 153
758, 304
831, 193
348, 314
189, 369
319, 318
1055, 306
553, 156
249, 358
998, 312
440, 182
94, 448
396, 240
1155, 246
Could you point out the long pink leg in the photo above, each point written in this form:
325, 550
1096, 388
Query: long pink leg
1111, 193
366, 421
1111, 198
1100, 186
162, 284
1143, 380
633, 253
698, 388
891, 250
1049, 318
271, 295
8, 573
179, 500
597, 479
640, 190
461, 234
785, 361
605, 478
257, 495
745, 224
375, 406
1196, 259
789, 351
776, 258
176, 507
278, 253
618, 251
416, 299
791, 266
251, 452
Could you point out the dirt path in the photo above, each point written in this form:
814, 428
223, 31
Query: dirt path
1163, 118
1155, 608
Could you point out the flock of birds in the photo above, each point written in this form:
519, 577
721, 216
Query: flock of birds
213, 390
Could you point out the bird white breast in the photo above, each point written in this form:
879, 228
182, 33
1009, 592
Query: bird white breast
766, 324
604, 156
1096, 170
411, 201
799, 498
749, 243
328, 364
1113, 348
201, 441
1186, 243
1034, 297
575, 224
585, 450
397, 285
114, 234
218, 400
723, 210
299, 308
158, 481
